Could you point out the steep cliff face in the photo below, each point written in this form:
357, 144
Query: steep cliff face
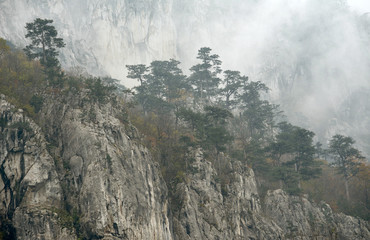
111, 179
101, 37
82, 172
212, 209
97, 181
30, 191
302, 219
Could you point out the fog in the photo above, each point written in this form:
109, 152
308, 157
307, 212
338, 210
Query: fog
313, 54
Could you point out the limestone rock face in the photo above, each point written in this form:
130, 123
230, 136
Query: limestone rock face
91, 177
82, 173
302, 219
112, 181
209, 209
30, 192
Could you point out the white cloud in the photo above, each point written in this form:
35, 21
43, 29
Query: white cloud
361, 6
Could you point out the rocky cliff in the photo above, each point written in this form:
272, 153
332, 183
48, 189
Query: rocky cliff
83, 175
81, 172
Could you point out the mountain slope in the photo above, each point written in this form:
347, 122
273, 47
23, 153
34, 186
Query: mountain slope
84, 173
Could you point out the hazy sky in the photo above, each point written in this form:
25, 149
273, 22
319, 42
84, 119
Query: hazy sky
361, 6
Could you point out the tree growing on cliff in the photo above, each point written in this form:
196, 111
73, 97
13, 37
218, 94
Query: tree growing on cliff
296, 144
259, 114
232, 82
4, 48
204, 77
137, 72
347, 159
44, 44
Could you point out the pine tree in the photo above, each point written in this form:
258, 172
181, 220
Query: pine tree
296, 144
232, 82
204, 77
347, 159
44, 47
44, 42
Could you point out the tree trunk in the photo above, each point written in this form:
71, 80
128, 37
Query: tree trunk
43, 47
347, 190
299, 180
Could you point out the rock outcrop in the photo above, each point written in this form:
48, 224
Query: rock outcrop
213, 209
82, 173
209, 209
30, 192
90, 176
302, 219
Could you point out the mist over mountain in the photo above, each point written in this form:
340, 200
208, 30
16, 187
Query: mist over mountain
101, 37
314, 55
197, 148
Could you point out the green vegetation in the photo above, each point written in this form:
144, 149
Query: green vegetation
220, 112
68, 220
21, 126
27, 76
36, 102
99, 92
204, 78
44, 47
178, 113
20, 78
293, 155
347, 159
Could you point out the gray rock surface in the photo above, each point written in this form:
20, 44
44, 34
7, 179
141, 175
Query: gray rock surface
82, 173
302, 219
208, 209
111, 180
30, 191
211, 210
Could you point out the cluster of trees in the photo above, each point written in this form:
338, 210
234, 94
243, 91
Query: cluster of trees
330, 187
216, 110
20, 78
223, 111
203, 104
26, 75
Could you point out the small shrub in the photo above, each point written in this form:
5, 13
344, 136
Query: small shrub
36, 102
98, 90
29, 110
21, 126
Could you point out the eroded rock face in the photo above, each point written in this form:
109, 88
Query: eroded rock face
82, 173
211, 210
302, 219
208, 209
30, 191
112, 181
91, 177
